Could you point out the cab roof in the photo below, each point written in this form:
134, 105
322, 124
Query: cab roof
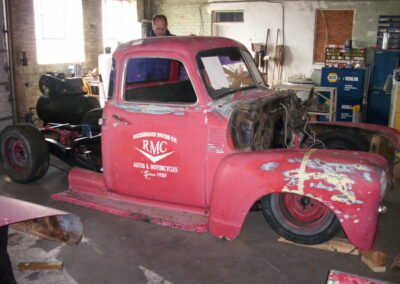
183, 44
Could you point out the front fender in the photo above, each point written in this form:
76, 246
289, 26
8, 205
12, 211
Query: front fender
347, 182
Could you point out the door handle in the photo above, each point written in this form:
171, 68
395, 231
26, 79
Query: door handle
120, 119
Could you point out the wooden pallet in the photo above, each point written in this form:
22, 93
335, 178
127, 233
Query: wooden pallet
374, 259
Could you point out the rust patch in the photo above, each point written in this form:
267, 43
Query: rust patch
271, 166
332, 177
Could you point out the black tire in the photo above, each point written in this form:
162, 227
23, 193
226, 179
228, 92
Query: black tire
92, 118
24, 154
300, 219
46, 85
341, 141
89, 103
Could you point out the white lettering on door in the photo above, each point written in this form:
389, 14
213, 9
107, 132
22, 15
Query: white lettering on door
155, 147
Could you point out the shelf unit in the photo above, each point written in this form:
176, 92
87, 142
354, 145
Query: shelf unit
326, 95
344, 57
391, 25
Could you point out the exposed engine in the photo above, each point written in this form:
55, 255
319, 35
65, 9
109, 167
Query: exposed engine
272, 122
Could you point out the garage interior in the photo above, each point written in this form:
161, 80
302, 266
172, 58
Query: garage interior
347, 53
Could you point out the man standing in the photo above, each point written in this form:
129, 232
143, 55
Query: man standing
159, 26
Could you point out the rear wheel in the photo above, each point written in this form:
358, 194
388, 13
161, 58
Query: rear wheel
299, 218
24, 154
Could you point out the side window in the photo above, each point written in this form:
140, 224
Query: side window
157, 80
147, 69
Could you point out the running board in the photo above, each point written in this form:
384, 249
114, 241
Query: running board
86, 189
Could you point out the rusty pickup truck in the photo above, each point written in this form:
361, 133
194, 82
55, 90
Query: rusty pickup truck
192, 137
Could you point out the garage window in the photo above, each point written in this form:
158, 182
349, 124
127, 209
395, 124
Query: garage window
228, 17
332, 27
120, 22
59, 31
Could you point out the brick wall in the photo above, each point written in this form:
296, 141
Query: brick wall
184, 17
93, 32
5, 97
23, 39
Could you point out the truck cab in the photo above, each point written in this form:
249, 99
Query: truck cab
162, 116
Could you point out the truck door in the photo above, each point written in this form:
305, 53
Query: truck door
154, 139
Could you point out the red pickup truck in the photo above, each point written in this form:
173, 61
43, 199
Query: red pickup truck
191, 137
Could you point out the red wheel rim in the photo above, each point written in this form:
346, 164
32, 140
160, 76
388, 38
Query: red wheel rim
304, 211
16, 154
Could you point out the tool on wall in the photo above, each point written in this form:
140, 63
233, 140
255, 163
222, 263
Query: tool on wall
278, 58
266, 57
258, 49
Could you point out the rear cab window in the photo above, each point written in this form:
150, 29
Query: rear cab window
157, 80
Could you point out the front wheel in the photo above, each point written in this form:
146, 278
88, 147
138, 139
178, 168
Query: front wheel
341, 141
24, 154
299, 218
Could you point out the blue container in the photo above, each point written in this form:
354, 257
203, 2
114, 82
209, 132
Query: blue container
378, 107
385, 61
344, 111
350, 89
86, 130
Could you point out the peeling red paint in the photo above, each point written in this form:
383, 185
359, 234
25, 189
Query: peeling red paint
338, 277
39, 220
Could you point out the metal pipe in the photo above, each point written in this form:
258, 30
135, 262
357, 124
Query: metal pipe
6, 19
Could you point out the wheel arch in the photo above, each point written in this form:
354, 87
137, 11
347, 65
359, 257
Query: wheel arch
244, 178
379, 139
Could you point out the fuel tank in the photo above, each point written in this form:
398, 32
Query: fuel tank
68, 108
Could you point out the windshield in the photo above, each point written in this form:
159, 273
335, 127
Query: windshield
227, 70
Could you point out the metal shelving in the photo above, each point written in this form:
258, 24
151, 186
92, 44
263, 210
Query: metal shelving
326, 95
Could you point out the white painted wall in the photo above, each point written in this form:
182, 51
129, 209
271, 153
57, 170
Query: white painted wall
257, 18
299, 38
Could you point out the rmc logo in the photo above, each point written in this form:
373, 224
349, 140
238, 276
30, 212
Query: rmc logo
154, 147
154, 150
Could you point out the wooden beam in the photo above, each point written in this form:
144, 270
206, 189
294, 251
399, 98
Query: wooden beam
375, 260
39, 265
336, 245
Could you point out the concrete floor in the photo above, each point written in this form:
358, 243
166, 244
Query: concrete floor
119, 250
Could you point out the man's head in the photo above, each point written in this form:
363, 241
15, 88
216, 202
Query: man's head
160, 25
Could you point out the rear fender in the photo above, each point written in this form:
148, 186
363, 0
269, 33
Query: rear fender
346, 182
